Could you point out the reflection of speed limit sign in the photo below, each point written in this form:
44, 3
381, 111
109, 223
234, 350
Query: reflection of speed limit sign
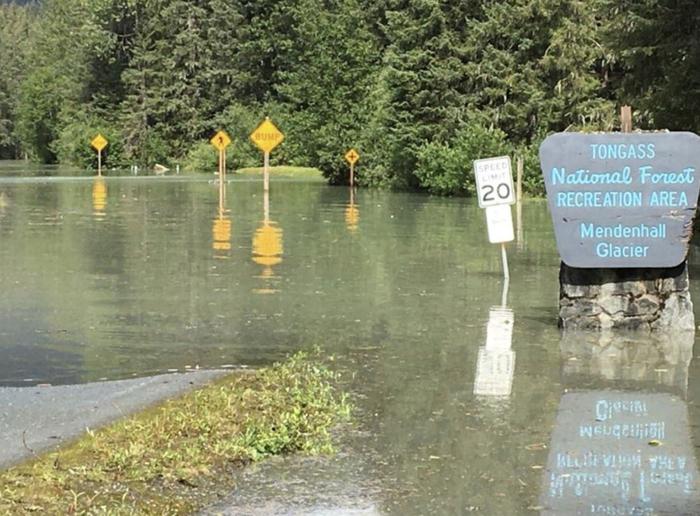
494, 181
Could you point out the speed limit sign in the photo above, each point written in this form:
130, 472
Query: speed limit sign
494, 181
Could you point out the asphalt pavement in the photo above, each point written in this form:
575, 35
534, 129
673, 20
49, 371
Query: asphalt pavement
36, 419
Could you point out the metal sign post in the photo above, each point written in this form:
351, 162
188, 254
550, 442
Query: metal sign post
220, 141
494, 187
99, 142
351, 157
266, 136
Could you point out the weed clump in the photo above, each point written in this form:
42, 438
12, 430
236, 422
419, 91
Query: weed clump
174, 457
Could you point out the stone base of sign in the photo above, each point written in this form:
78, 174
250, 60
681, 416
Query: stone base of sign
631, 299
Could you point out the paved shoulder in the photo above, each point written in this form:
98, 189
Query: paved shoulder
33, 419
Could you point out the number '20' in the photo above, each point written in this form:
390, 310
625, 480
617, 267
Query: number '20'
502, 191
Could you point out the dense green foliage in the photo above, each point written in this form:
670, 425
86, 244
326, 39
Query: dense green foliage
419, 87
16, 24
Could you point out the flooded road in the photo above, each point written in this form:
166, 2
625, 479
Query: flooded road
465, 404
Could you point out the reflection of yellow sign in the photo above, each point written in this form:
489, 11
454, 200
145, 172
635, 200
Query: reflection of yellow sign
221, 231
352, 156
99, 142
267, 136
352, 213
99, 197
221, 140
267, 245
352, 217
267, 251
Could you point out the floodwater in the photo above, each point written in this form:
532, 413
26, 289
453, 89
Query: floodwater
469, 399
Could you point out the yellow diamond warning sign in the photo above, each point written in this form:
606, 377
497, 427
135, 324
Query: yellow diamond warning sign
352, 156
99, 142
221, 140
267, 136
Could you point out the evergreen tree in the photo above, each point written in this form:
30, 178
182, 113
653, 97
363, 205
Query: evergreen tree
657, 45
577, 65
72, 61
16, 27
404, 81
536, 66
416, 97
167, 106
325, 90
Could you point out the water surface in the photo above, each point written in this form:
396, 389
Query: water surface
462, 399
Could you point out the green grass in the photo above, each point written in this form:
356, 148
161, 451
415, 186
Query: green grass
176, 457
301, 172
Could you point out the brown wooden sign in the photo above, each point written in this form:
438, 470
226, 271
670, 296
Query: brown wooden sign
622, 200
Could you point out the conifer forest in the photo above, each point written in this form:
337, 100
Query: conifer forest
419, 87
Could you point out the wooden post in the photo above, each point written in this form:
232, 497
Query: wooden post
519, 179
266, 207
519, 167
221, 198
222, 173
352, 175
626, 119
266, 172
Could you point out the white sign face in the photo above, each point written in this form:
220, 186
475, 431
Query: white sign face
494, 181
500, 224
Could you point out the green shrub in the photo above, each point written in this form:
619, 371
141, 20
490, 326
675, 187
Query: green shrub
533, 180
72, 145
203, 157
176, 456
239, 122
446, 168
153, 148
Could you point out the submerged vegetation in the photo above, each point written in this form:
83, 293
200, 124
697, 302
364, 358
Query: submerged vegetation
175, 457
419, 87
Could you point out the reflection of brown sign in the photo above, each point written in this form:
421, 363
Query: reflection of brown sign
621, 453
615, 452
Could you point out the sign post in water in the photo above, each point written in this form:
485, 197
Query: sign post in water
98, 143
351, 157
494, 189
220, 141
266, 136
